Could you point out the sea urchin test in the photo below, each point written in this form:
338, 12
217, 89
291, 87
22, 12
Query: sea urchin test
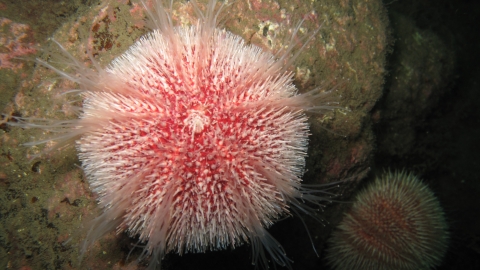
192, 139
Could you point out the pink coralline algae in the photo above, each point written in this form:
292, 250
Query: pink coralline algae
15, 41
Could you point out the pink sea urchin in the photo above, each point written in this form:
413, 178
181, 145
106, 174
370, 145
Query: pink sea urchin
192, 139
395, 223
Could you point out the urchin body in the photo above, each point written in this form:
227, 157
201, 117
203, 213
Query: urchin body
192, 140
200, 141
395, 223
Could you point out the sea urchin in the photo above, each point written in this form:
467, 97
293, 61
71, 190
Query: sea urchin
192, 139
395, 223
